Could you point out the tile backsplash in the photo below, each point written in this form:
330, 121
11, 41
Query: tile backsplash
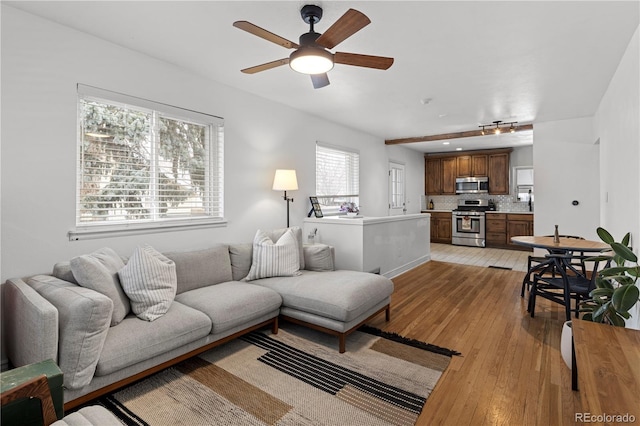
450, 202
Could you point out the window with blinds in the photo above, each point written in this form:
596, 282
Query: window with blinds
337, 176
146, 163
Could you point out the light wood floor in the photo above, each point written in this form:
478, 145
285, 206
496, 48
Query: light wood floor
477, 256
510, 372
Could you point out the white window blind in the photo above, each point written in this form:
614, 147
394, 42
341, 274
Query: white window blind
146, 163
337, 176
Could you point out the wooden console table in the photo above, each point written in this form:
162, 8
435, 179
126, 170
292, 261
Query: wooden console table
608, 365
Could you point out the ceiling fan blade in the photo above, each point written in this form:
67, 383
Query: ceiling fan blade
368, 61
267, 35
348, 24
319, 80
267, 66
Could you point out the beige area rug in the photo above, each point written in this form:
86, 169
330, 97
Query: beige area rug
296, 377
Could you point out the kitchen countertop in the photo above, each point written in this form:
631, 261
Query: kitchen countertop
489, 212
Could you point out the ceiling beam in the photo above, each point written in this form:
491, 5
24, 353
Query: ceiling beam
488, 131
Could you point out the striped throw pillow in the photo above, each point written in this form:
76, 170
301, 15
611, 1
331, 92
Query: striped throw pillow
149, 280
279, 259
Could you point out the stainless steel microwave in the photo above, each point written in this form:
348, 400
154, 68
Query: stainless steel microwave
472, 185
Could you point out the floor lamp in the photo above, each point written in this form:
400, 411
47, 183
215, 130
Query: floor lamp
285, 180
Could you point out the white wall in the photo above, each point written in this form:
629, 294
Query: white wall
41, 64
565, 158
618, 127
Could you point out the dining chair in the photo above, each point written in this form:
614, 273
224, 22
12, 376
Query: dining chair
543, 265
571, 281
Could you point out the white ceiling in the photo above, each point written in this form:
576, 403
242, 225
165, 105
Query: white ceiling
475, 61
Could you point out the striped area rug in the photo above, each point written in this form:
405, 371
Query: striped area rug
296, 377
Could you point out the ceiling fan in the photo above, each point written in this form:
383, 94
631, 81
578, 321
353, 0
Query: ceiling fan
312, 55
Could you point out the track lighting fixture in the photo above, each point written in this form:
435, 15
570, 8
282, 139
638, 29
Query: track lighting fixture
498, 127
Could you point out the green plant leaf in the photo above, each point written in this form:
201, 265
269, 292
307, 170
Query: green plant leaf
599, 313
626, 239
605, 235
602, 283
601, 292
624, 252
587, 317
614, 270
625, 297
616, 320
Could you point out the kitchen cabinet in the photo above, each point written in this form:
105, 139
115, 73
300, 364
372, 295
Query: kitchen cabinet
440, 176
496, 229
433, 176
441, 170
498, 173
471, 165
519, 224
441, 227
479, 165
449, 176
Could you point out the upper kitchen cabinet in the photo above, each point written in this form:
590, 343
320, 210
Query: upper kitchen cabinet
441, 170
449, 176
498, 173
432, 176
440, 176
471, 165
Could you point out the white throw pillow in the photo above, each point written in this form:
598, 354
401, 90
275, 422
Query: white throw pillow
279, 259
149, 280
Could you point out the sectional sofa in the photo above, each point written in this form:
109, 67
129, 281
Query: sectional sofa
105, 330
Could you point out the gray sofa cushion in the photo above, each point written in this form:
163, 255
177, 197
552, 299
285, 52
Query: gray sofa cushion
201, 268
135, 340
340, 295
318, 257
231, 304
62, 270
241, 255
99, 271
84, 316
93, 415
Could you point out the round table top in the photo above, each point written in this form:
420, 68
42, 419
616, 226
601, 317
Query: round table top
568, 244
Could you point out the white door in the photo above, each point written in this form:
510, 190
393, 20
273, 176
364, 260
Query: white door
397, 188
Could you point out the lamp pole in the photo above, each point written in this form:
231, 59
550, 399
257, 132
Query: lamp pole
287, 201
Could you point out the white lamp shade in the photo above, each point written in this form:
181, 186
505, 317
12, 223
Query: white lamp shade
285, 180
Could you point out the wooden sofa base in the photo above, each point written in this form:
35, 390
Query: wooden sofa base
110, 388
342, 336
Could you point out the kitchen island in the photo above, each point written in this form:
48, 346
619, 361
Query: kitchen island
389, 245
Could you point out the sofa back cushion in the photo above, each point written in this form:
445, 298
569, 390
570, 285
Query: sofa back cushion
241, 255
201, 268
84, 316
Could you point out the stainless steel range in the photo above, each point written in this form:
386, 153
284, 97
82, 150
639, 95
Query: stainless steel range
469, 223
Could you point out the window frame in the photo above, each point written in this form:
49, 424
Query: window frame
214, 171
354, 193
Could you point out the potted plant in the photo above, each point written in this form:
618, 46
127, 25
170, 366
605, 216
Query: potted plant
616, 291
350, 208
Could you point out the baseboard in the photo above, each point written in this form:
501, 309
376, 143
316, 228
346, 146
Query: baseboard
407, 266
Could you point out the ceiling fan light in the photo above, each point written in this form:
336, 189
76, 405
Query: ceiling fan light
311, 60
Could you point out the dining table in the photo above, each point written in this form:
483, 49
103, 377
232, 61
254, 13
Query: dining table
564, 244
